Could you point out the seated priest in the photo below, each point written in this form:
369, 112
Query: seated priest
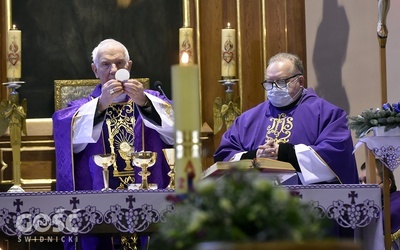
119, 117
294, 125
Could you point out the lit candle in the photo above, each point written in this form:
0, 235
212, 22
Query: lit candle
186, 44
228, 52
186, 103
13, 52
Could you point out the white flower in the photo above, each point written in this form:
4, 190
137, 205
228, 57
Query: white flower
196, 220
261, 184
206, 186
226, 205
280, 195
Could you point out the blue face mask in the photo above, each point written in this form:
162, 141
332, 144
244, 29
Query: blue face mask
281, 97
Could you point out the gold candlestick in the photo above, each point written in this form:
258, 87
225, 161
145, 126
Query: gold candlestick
226, 111
13, 117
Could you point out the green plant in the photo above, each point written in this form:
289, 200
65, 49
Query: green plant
239, 207
388, 117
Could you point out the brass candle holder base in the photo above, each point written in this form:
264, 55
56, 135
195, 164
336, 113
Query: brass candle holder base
16, 189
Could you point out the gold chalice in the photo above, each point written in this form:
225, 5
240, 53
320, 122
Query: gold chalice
104, 161
169, 154
125, 151
144, 160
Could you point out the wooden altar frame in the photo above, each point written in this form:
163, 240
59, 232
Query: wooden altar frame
371, 178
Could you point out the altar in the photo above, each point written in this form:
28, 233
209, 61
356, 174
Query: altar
129, 211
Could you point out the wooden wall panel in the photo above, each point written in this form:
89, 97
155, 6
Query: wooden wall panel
211, 22
297, 30
251, 54
275, 27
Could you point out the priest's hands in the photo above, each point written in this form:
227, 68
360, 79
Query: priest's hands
134, 89
268, 150
109, 91
112, 89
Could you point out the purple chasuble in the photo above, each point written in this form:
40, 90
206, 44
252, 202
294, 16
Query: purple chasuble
79, 172
395, 211
313, 122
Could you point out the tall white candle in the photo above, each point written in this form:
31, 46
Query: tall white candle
13, 53
186, 103
228, 52
186, 44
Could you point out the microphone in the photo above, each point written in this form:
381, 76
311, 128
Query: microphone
158, 86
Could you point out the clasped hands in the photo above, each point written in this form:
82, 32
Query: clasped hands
268, 150
113, 88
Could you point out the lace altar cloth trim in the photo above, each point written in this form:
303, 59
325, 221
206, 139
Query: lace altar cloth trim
74, 213
386, 148
351, 206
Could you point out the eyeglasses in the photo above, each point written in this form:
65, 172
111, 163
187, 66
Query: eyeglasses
280, 84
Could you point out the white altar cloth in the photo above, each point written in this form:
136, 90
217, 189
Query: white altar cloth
128, 211
73, 213
356, 206
385, 148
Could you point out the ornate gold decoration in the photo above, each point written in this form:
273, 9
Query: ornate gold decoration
280, 126
13, 117
225, 112
121, 135
130, 242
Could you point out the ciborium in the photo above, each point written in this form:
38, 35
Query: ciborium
144, 160
104, 161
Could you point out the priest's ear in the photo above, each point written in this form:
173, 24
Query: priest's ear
302, 80
94, 68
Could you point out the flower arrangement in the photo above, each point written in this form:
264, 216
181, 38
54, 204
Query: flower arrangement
388, 117
239, 207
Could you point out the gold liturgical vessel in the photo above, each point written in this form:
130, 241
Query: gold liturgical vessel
144, 160
104, 161
169, 154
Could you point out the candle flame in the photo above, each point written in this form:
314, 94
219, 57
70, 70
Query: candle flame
229, 25
185, 57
